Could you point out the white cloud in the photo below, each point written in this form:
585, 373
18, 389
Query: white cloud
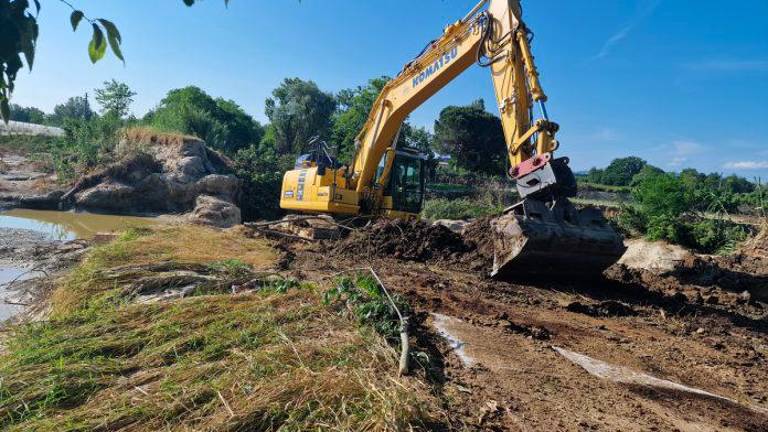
682, 150
747, 165
605, 135
613, 40
729, 65
622, 34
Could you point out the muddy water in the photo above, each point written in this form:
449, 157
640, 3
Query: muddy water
58, 225
53, 225
8, 274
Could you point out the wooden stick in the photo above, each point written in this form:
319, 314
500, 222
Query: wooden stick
226, 405
12, 303
282, 234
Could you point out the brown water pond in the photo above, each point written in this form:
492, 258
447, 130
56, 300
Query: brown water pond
58, 225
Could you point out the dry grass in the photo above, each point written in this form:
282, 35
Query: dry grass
144, 135
262, 361
137, 247
758, 245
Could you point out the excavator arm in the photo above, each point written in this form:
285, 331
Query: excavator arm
492, 35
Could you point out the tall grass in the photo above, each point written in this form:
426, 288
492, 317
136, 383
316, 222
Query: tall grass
267, 360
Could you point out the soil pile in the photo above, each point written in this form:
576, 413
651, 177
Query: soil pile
406, 240
758, 246
480, 234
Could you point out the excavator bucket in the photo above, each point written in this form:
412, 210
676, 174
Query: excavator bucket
536, 239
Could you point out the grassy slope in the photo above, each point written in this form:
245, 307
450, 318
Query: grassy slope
268, 360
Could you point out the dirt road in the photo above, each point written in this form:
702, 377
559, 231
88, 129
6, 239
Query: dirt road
496, 367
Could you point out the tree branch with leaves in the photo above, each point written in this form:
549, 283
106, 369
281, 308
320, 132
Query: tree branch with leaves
18, 40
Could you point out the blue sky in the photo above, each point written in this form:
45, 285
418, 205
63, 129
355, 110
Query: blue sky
677, 82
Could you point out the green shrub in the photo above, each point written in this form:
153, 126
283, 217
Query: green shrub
715, 235
630, 222
665, 227
458, 209
221, 123
661, 194
262, 173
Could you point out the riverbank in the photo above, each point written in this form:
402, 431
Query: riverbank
29, 263
149, 172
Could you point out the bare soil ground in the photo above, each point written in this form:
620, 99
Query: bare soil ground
701, 332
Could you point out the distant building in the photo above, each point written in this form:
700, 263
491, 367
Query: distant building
21, 128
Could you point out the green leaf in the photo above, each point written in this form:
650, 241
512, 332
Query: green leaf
75, 18
111, 29
98, 46
189, 2
114, 38
28, 38
37, 6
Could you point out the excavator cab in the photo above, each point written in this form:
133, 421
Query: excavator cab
404, 191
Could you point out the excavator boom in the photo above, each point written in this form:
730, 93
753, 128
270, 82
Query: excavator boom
381, 180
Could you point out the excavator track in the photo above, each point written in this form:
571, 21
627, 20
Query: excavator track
535, 238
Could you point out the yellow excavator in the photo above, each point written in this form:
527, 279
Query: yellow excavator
544, 231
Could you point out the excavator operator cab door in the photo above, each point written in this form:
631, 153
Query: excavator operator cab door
405, 193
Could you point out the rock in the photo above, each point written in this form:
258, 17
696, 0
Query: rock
103, 237
456, 226
163, 174
49, 201
108, 196
216, 212
657, 257
745, 297
713, 300
222, 186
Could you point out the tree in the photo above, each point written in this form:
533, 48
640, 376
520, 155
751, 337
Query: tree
18, 38
354, 106
27, 114
621, 171
416, 137
298, 111
77, 108
661, 200
221, 123
115, 98
647, 171
473, 137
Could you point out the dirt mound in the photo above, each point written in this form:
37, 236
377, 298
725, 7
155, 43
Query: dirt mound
758, 246
406, 240
175, 174
479, 233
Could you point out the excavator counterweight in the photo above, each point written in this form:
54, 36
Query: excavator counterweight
544, 231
